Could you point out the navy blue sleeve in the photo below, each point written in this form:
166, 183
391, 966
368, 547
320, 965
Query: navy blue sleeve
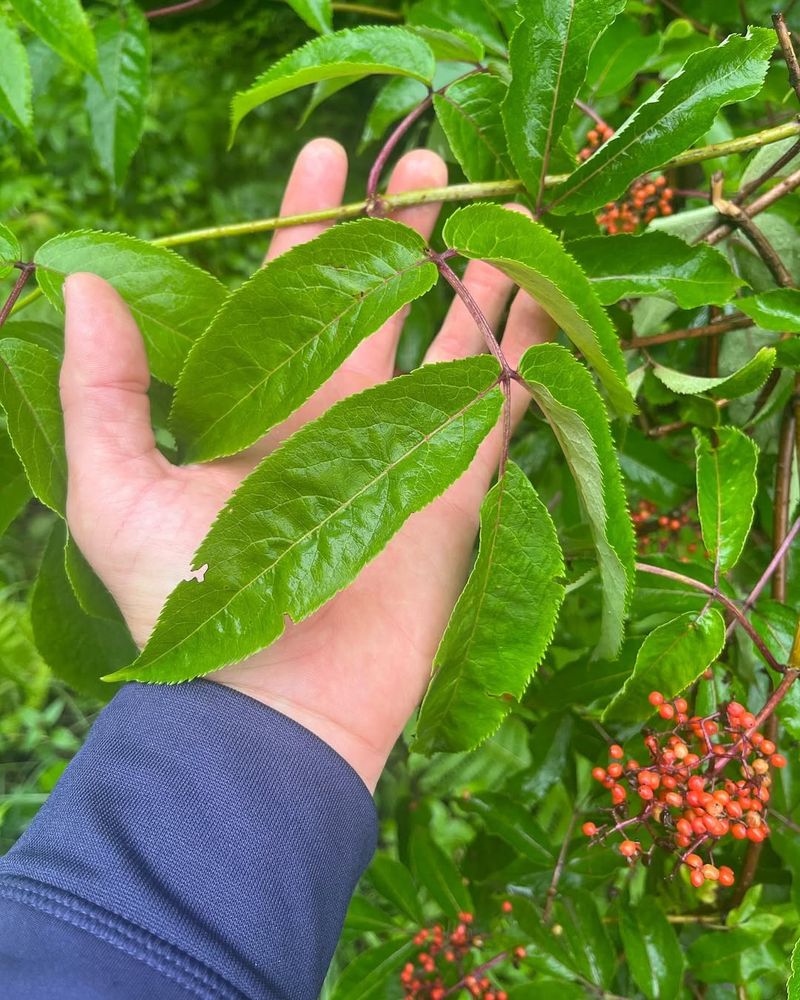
199, 845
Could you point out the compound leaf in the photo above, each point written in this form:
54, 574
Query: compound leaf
533, 257
314, 512
726, 492
63, 26
502, 624
669, 121
116, 104
549, 53
669, 660
29, 395
469, 113
172, 300
746, 380
287, 329
353, 52
655, 264
565, 392
16, 86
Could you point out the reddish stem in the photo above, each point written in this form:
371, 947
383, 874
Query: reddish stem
25, 271
373, 202
177, 8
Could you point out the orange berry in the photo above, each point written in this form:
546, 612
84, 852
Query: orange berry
616, 751
598, 773
618, 795
697, 878
507, 906
628, 848
777, 760
726, 876
767, 747
666, 711
655, 698
589, 830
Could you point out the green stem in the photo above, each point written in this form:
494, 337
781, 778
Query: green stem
367, 11
462, 192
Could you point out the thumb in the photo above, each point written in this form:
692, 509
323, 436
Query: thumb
104, 382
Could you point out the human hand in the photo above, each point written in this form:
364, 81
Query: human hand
355, 670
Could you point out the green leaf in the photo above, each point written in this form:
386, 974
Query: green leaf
394, 882
116, 103
450, 46
354, 52
670, 659
549, 52
367, 975
436, 872
172, 300
777, 309
89, 590
62, 25
314, 512
29, 395
365, 916
469, 113
317, 14
514, 823
14, 489
15, 80
793, 986
726, 492
32, 331
565, 392
10, 251
77, 647
286, 330
502, 624
669, 121
471, 16
655, 264
585, 935
533, 257
619, 55
742, 382
652, 951
398, 96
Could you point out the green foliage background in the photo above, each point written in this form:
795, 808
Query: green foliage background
472, 828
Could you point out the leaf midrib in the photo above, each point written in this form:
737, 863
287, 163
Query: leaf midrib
497, 155
290, 357
559, 79
425, 439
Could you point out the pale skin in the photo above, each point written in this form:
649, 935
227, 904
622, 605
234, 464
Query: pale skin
354, 672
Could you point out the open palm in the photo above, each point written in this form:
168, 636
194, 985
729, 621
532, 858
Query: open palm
354, 671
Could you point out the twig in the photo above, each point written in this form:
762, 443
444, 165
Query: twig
679, 13
789, 55
774, 562
26, 269
589, 111
746, 190
374, 205
767, 200
741, 218
726, 602
559, 869
177, 8
780, 515
477, 972
710, 330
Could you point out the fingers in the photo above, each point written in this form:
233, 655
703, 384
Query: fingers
413, 172
317, 182
104, 382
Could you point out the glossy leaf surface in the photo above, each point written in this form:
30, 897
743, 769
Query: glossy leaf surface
726, 492
287, 329
469, 113
14, 489
652, 950
77, 647
317, 14
172, 300
746, 380
669, 660
670, 120
533, 257
366, 977
502, 623
314, 512
354, 52
29, 395
434, 870
655, 264
9, 251
549, 53
15, 79
777, 309
394, 882
116, 103
61, 24
565, 392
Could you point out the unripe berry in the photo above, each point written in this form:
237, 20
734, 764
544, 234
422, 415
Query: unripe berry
760, 766
711, 872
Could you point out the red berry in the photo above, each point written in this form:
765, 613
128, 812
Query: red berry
589, 830
735, 709
697, 878
681, 705
767, 747
726, 876
616, 751
618, 795
615, 770
655, 698
778, 760
507, 906
739, 831
628, 848
693, 860
599, 773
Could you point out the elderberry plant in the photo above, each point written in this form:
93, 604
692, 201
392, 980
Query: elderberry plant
633, 590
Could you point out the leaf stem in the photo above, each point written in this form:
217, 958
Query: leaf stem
710, 330
725, 601
26, 269
367, 10
559, 869
776, 560
374, 204
483, 189
177, 8
780, 517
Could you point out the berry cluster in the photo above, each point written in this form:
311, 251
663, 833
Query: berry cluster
644, 201
657, 532
440, 965
595, 138
682, 799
